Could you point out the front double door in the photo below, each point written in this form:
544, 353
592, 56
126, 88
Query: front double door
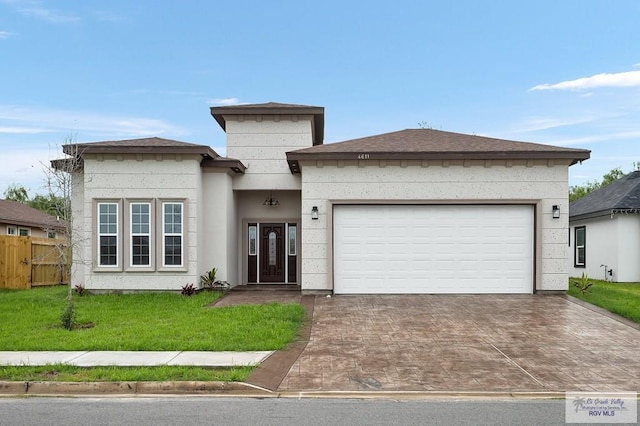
272, 252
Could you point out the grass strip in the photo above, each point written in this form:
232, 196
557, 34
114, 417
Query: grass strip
69, 373
619, 298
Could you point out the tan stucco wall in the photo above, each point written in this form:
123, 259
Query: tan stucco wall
139, 177
541, 184
261, 143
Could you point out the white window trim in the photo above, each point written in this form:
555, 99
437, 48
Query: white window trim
131, 234
577, 247
20, 229
118, 266
183, 234
12, 230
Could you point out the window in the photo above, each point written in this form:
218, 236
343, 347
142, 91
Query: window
24, 232
51, 234
253, 240
172, 234
11, 230
580, 246
140, 234
292, 240
107, 234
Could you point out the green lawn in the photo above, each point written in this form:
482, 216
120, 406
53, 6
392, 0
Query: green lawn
620, 298
142, 321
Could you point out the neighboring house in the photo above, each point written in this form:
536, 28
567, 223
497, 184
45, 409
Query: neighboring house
21, 220
605, 232
414, 211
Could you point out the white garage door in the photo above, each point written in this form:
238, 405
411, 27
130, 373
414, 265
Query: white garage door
433, 249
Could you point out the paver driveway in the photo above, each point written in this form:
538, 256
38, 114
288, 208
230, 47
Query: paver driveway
465, 343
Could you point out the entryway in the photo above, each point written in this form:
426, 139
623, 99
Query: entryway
272, 253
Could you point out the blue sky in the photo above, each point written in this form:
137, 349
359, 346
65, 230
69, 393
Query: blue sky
556, 72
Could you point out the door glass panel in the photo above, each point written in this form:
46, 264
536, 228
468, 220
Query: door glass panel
272, 248
292, 240
253, 232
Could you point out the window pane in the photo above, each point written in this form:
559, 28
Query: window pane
292, 240
579, 236
272, 248
580, 256
253, 231
140, 250
108, 250
172, 250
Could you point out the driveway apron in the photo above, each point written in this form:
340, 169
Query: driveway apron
464, 343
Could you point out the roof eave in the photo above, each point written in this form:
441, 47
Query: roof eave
83, 149
572, 157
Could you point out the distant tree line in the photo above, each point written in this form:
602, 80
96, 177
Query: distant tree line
50, 204
578, 191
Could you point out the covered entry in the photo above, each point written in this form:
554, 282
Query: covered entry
272, 252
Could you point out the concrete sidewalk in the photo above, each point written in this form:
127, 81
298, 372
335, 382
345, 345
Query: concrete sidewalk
133, 358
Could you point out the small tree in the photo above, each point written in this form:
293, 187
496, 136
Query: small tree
60, 184
17, 193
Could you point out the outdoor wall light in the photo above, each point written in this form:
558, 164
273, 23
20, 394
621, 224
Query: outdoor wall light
314, 212
556, 211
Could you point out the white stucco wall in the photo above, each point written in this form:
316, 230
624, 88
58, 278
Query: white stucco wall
219, 240
261, 143
140, 177
539, 183
612, 241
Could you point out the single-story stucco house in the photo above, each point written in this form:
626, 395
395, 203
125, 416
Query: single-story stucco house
21, 220
413, 211
605, 232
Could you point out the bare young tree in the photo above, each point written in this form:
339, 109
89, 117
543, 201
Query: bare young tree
61, 180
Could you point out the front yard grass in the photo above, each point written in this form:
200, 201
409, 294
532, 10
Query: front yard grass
620, 298
142, 322
31, 321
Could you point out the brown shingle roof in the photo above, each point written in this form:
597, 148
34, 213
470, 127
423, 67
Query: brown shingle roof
15, 213
140, 146
428, 144
274, 108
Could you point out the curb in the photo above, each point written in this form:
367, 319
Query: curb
241, 389
129, 388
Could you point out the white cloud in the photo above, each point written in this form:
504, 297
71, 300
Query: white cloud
23, 130
224, 101
621, 79
35, 9
598, 138
5, 35
544, 123
15, 119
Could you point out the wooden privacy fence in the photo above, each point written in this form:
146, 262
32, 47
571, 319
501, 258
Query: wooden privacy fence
27, 262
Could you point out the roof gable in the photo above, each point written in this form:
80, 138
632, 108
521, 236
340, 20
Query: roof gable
15, 213
622, 194
425, 144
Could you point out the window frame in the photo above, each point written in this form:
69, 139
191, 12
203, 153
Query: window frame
12, 230
161, 246
129, 223
577, 248
27, 232
118, 234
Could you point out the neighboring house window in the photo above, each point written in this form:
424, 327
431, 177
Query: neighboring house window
140, 234
11, 230
580, 246
108, 234
51, 234
24, 232
172, 234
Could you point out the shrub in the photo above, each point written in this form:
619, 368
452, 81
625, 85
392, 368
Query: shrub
209, 278
188, 290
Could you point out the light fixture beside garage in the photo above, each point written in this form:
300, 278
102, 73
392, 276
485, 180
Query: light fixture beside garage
556, 211
314, 212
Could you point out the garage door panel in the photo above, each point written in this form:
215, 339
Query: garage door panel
433, 249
